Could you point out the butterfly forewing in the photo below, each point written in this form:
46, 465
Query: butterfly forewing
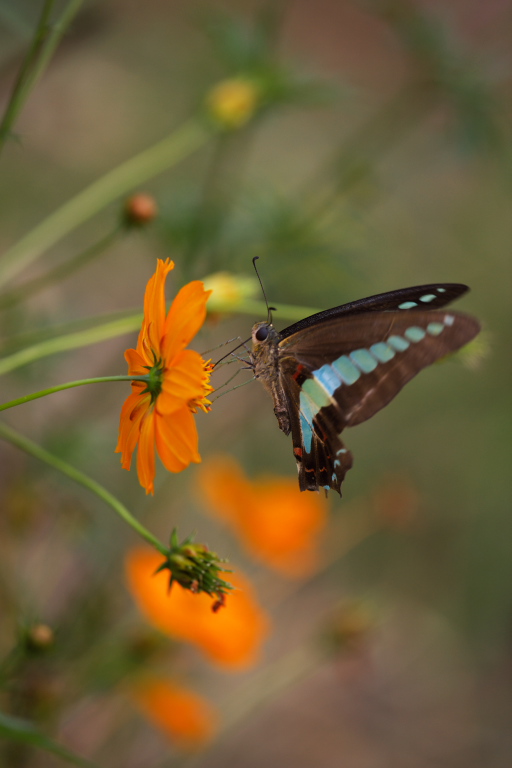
432, 296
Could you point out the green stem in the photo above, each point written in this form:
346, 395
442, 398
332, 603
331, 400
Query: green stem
37, 452
124, 325
58, 273
166, 153
70, 341
45, 41
68, 385
57, 32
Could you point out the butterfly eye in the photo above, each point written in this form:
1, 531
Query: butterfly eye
262, 333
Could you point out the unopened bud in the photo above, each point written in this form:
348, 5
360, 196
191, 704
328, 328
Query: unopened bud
40, 637
140, 210
233, 102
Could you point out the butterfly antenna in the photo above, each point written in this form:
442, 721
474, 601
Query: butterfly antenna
230, 353
269, 309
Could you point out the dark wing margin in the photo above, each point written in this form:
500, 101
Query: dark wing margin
432, 296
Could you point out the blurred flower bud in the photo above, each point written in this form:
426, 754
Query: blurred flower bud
39, 637
233, 102
229, 291
140, 210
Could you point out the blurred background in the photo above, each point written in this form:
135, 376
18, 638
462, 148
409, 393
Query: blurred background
379, 157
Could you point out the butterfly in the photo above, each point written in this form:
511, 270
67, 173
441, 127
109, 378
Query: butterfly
337, 368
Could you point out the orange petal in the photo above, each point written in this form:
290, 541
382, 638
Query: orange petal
146, 454
231, 637
183, 382
289, 544
132, 412
185, 318
176, 439
136, 362
183, 715
275, 521
225, 488
154, 307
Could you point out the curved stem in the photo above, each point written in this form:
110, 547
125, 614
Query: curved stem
68, 385
6, 433
105, 190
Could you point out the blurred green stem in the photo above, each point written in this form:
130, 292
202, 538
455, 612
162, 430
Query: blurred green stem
60, 272
68, 385
46, 39
105, 190
124, 325
69, 341
6, 433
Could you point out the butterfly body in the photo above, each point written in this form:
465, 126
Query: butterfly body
339, 367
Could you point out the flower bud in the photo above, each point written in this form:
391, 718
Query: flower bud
39, 637
140, 210
229, 291
233, 102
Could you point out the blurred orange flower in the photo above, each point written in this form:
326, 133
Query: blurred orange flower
276, 522
160, 411
187, 718
231, 637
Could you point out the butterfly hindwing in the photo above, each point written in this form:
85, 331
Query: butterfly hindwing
340, 372
321, 457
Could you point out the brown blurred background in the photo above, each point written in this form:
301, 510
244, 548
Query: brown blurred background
389, 166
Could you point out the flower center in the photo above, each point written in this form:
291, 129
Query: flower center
202, 402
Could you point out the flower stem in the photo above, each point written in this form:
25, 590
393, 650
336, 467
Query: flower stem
6, 433
46, 38
138, 169
68, 385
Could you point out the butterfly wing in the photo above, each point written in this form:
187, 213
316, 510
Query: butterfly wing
432, 296
321, 457
346, 369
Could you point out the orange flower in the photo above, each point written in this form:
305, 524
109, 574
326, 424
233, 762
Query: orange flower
277, 523
183, 715
231, 637
160, 411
